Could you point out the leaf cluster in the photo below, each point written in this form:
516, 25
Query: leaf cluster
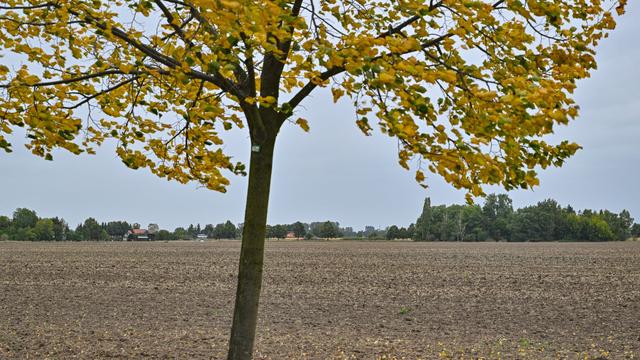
469, 88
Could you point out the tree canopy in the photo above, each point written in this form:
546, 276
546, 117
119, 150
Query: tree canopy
497, 220
467, 86
470, 87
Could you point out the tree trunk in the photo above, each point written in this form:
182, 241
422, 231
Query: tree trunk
245, 314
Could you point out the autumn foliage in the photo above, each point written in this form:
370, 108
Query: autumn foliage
467, 87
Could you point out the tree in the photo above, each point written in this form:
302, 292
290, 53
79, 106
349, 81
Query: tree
73, 235
298, 229
597, 229
192, 231
442, 223
328, 230
5, 223
166, 85
635, 230
278, 231
24, 218
620, 224
473, 224
230, 230
209, 230
411, 231
91, 230
497, 211
165, 235
117, 228
626, 223
60, 229
44, 230
24, 234
549, 218
218, 232
181, 234
225, 230
423, 224
393, 232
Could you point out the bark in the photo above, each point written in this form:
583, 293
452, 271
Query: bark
252, 253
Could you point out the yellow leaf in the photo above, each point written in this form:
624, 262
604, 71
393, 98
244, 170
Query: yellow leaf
337, 94
304, 124
125, 68
620, 8
386, 78
31, 80
230, 4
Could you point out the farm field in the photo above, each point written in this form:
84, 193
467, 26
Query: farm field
323, 300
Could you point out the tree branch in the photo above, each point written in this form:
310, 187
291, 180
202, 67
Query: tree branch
248, 62
170, 18
194, 11
216, 78
312, 84
29, 7
409, 21
273, 66
100, 93
70, 80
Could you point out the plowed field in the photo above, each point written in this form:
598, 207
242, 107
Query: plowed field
322, 300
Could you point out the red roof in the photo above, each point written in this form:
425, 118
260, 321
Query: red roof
139, 231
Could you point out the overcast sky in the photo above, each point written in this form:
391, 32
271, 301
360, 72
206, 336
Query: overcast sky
336, 173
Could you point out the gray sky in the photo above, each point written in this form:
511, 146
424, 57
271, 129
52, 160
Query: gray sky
336, 173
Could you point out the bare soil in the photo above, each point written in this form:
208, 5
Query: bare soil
323, 300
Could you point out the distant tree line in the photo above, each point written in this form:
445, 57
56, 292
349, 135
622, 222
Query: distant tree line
300, 230
25, 224
497, 220
494, 220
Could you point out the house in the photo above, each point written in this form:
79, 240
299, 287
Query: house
202, 236
138, 235
291, 235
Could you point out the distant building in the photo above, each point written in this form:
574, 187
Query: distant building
138, 235
202, 236
291, 235
369, 230
348, 232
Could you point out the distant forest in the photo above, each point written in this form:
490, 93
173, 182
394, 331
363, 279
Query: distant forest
495, 220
